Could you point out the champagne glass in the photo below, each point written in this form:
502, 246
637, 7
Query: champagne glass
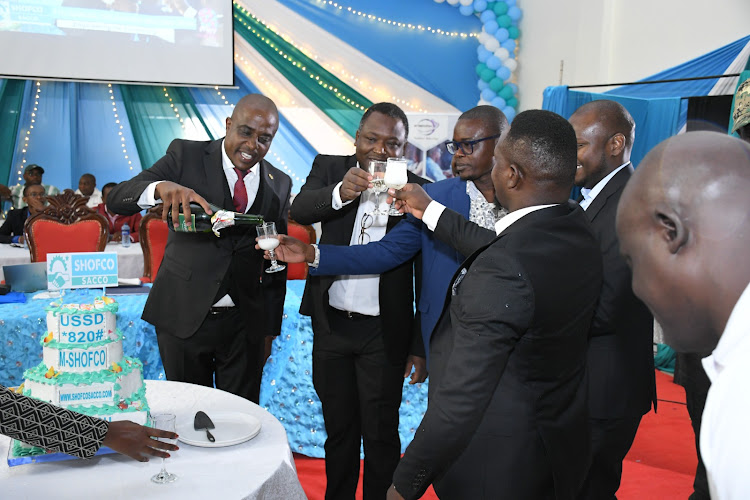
395, 178
165, 422
268, 239
377, 170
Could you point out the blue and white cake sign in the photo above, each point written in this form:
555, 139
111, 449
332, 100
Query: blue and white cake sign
81, 270
78, 360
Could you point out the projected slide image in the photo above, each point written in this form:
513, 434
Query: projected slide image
194, 22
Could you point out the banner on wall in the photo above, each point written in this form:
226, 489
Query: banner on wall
425, 150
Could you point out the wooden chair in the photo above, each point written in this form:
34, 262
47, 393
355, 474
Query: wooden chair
153, 238
65, 225
298, 270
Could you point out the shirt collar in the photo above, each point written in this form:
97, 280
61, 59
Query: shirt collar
514, 216
475, 194
590, 194
227, 164
735, 333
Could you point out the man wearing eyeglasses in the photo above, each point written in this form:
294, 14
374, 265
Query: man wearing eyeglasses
365, 334
33, 199
470, 193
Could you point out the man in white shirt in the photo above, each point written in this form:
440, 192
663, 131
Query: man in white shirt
87, 187
684, 230
32, 174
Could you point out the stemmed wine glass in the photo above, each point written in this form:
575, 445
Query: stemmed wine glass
268, 239
165, 422
395, 178
377, 170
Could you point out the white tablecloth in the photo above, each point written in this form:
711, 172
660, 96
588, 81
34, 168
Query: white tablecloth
261, 468
129, 260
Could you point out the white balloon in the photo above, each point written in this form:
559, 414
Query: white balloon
466, 2
492, 44
482, 36
453, 2
511, 64
502, 53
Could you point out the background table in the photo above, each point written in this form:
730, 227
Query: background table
129, 260
260, 468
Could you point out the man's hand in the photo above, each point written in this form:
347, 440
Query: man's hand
117, 237
136, 440
21, 239
393, 494
412, 199
355, 181
172, 195
420, 369
291, 250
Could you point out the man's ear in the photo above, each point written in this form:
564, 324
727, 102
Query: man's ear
228, 124
616, 144
513, 176
673, 230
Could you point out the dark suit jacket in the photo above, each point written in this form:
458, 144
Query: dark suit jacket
507, 414
13, 225
439, 260
195, 264
313, 204
621, 355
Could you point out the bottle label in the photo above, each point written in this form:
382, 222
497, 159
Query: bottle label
182, 228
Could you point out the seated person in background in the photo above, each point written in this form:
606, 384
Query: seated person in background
12, 230
116, 221
31, 175
87, 187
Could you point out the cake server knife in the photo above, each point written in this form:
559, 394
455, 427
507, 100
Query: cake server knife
202, 421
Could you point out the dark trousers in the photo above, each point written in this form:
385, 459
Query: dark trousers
221, 351
611, 440
360, 391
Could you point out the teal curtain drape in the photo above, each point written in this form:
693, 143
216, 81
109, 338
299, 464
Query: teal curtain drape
159, 115
11, 97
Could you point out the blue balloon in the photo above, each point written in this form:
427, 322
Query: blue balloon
491, 27
501, 34
487, 94
483, 56
481, 84
509, 45
487, 16
482, 49
466, 10
510, 3
514, 13
480, 5
503, 73
498, 102
514, 87
494, 63
509, 112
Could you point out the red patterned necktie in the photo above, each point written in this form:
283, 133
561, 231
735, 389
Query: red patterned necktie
240, 191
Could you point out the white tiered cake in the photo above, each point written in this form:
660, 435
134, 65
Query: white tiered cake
83, 367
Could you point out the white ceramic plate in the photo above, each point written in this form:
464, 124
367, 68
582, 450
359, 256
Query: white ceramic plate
230, 427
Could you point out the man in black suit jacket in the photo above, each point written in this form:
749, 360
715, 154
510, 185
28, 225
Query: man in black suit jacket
211, 303
507, 414
12, 229
622, 386
365, 335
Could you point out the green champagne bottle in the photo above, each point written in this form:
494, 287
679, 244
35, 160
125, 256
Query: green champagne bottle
201, 222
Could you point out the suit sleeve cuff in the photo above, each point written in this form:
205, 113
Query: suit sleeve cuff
336, 202
148, 197
432, 214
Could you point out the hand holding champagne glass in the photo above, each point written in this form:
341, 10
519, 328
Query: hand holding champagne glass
268, 239
395, 178
165, 422
377, 170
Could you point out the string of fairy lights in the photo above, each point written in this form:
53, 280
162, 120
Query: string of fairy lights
174, 108
382, 93
397, 24
27, 135
119, 126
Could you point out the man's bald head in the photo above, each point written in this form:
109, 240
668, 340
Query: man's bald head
605, 132
684, 227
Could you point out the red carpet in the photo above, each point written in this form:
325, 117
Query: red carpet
660, 465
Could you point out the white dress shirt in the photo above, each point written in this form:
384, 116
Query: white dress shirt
725, 433
359, 293
590, 194
252, 183
94, 200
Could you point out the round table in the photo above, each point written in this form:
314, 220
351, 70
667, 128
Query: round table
259, 468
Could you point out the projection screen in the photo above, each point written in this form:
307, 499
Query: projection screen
149, 41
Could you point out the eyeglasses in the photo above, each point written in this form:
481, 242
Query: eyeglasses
364, 238
466, 146
35, 195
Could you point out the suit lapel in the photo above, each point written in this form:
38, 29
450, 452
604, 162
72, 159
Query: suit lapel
216, 181
615, 184
349, 212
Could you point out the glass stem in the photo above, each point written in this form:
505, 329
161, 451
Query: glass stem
273, 258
